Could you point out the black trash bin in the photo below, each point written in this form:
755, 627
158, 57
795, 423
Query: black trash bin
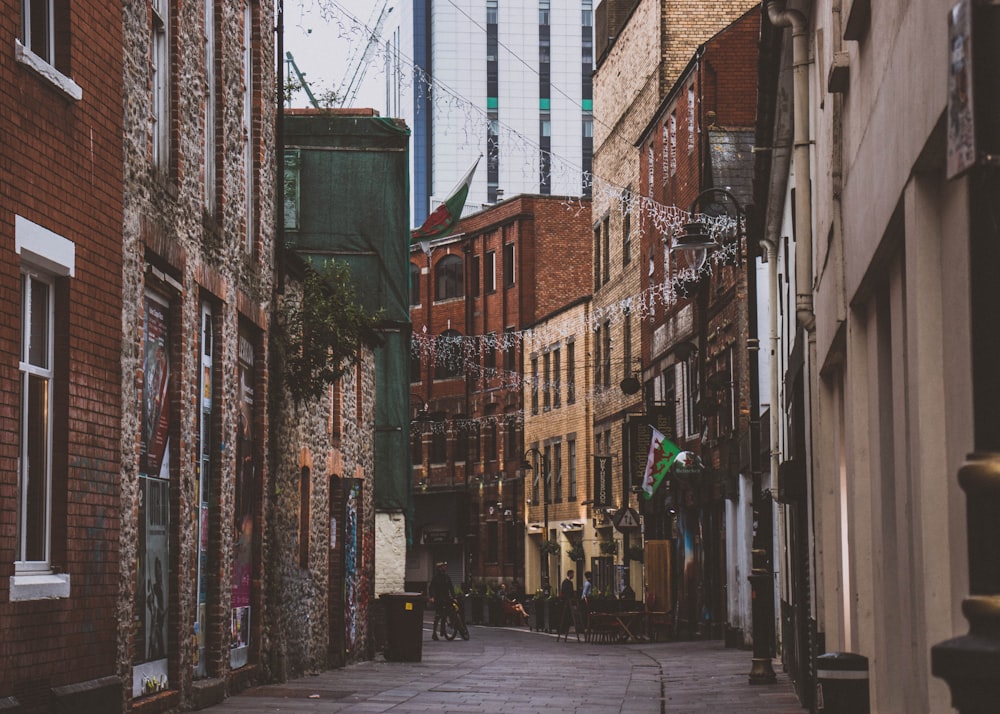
404, 626
842, 683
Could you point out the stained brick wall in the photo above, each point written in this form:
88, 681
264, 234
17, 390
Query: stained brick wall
61, 163
188, 253
309, 626
634, 76
552, 269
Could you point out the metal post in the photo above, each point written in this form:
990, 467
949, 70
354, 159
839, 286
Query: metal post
545, 518
538, 455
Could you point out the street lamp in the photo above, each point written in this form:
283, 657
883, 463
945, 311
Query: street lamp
698, 241
545, 508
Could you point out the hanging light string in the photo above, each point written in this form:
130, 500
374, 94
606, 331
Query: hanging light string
465, 354
471, 123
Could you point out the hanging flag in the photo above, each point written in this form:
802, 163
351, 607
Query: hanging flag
445, 216
662, 453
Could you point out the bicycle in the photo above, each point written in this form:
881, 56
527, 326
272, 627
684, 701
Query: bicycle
454, 624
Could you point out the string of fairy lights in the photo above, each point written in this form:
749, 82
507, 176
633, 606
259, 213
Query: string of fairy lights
468, 123
470, 355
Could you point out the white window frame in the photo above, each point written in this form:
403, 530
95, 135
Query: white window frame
490, 273
42, 60
43, 371
160, 68
691, 119
210, 99
690, 386
44, 257
673, 143
248, 176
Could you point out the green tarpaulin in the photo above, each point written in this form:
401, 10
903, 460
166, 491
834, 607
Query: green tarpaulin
347, 199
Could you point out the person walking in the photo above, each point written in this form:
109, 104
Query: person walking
588, 586
566, 589
442, 594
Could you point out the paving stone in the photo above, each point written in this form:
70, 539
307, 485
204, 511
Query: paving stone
512, 670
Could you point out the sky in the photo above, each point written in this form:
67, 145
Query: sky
322, 44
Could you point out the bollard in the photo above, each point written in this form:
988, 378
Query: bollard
842, 683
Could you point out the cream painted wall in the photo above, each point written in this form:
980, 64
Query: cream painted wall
390, 552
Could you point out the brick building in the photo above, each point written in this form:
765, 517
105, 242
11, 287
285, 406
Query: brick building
334, 457
197, 243
695, 154
60, 346
643, 46
557, 432
472, 295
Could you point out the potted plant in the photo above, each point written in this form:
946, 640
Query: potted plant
609, 547
536, 611
549, 547
635, 552
575, 553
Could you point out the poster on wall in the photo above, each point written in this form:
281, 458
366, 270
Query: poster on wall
153, 448
149, 672
204, 449
244, 511
961, 154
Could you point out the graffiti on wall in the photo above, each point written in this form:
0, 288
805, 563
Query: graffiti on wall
245, 510
352, 561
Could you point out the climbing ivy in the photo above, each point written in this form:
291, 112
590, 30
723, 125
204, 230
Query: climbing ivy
321, 329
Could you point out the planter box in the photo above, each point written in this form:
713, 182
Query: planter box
495, 611
475, 611
536, 615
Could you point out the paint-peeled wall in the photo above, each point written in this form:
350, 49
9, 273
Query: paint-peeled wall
390, 552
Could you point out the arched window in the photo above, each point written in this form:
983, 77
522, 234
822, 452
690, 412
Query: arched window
448, 278
448, 358
414, 284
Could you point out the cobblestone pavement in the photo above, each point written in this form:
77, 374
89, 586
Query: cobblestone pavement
513, 670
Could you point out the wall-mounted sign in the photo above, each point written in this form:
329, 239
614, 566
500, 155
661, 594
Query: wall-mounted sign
626, 519
602, 481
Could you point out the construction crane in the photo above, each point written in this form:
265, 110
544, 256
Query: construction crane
356, 67
302, 79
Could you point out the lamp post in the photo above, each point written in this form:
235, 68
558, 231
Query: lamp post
698, 241
538, 455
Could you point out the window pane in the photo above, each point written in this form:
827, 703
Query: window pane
37, 37
36, 468
37, 299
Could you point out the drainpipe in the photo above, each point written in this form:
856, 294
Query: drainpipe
800, 138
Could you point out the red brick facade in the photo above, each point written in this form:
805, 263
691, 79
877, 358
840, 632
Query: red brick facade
61, 162
547, 238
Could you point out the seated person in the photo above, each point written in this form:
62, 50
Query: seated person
511, 605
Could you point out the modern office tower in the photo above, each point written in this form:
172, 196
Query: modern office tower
510, 82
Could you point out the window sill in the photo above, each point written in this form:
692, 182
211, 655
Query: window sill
43, 586
43, 69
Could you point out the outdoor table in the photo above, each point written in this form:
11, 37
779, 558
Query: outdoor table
631, 624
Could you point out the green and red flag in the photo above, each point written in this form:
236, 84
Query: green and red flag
662, 454
444, 217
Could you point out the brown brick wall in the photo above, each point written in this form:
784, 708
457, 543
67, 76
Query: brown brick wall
553, 268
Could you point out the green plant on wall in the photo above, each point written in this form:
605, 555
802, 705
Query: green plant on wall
321, 330
609, 547
575, 553
550, 547
635, 552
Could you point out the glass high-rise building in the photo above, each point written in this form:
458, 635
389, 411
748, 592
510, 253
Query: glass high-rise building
510, 81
